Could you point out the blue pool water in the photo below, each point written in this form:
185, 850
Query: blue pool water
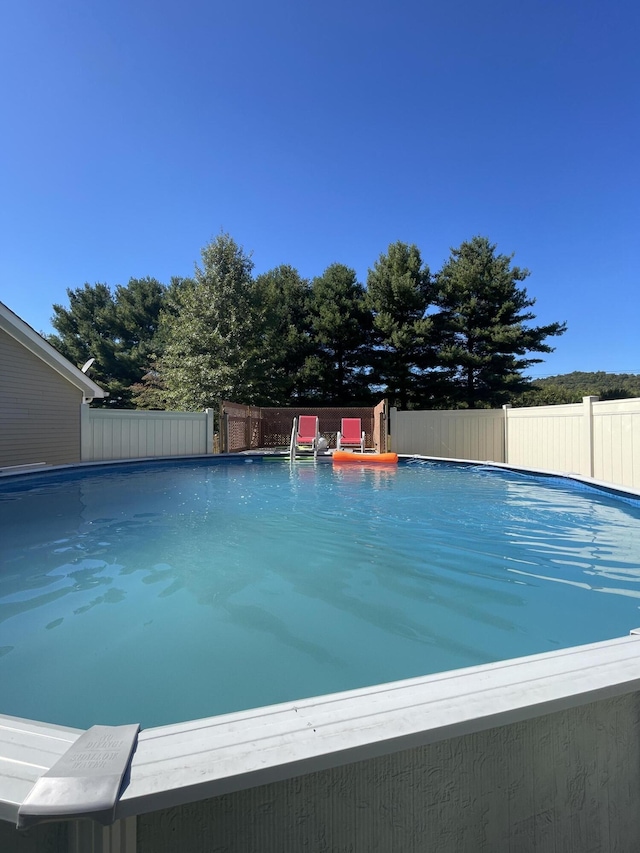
165, 592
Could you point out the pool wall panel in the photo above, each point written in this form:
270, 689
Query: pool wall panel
47, 838
564, 781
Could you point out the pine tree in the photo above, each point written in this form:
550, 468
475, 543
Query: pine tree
213, 333
483, 323
86, 329
399, 292
117, 330
282, 297
337, 371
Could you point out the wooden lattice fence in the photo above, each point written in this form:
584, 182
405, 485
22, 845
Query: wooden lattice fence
251, 427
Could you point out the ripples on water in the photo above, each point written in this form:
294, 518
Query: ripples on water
172, 592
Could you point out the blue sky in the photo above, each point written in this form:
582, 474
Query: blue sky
134, 132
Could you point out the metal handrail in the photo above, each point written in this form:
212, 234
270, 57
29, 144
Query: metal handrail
292, 444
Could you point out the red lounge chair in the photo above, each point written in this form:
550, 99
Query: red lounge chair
351, 434
305, 434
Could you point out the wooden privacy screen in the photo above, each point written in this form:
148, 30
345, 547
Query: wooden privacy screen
253, 427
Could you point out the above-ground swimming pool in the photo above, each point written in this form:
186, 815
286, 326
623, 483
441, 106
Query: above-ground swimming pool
170, 591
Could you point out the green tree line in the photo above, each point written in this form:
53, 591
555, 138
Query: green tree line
572, 387
462, 337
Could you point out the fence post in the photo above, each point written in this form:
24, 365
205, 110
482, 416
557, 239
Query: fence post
226, 432
386, 426
586, 449
209, 430
393, 412
505, 409
86, 434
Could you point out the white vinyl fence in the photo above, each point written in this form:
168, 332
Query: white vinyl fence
599, 439
615, 437
123, 434
452, 434
553, 438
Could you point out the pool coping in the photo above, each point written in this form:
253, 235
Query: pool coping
186, 762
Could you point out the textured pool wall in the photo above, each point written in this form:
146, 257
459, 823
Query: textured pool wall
565, 781
48, 838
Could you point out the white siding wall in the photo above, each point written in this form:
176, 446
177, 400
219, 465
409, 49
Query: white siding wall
452, 434
138, 434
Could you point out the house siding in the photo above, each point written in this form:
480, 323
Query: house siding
39, 410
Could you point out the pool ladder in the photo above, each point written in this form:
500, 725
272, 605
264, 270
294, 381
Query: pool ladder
293, 443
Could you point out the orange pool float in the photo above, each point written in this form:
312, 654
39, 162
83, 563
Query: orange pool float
364, 458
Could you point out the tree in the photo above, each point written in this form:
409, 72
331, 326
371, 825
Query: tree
399, 292
137, 316
86, 329
607, 386
117, 330
337, 372
214, 333
483, 323
137, 319
282, 296
150, 392
545, 395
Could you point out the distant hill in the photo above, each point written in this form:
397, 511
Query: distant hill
572, 387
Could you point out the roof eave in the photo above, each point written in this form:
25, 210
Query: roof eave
42, 349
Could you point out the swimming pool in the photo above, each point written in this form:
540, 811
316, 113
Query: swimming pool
171, 591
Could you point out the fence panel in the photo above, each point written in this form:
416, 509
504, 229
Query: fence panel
451, 434
547, 437
616, 442
599, 439
122, 434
